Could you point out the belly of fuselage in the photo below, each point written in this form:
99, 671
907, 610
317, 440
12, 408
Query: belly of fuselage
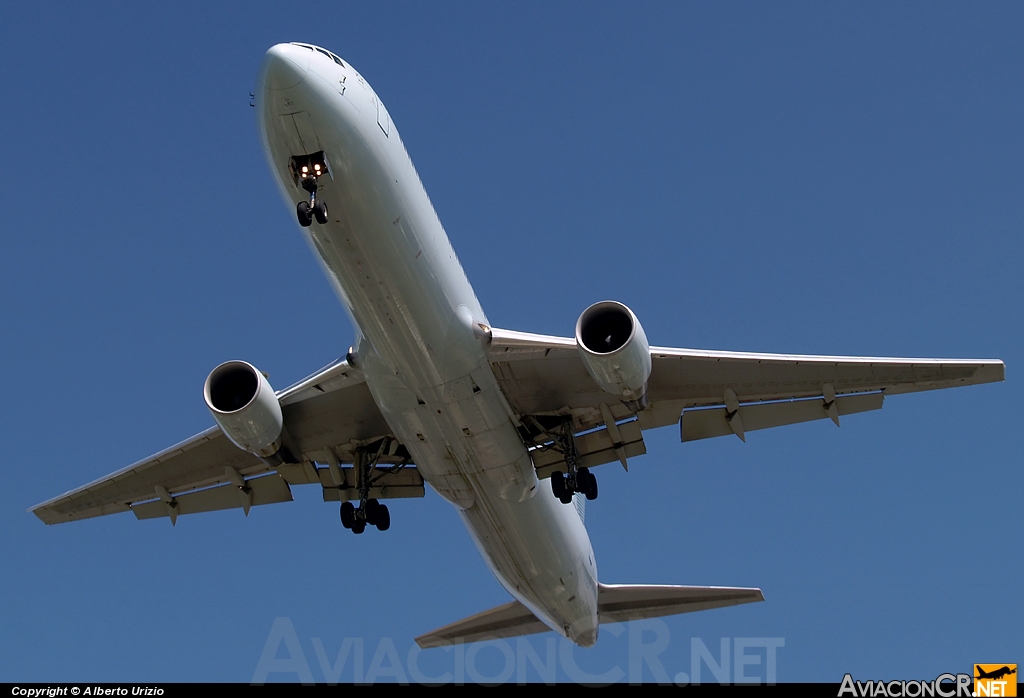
389, 260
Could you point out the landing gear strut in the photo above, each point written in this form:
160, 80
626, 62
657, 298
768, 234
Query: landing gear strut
578, 479
370, 511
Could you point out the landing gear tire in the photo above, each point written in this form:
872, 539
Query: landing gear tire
589, 484
383, 518
558, 486
359, 527
304, 215
348, 514
320, 212
373, 508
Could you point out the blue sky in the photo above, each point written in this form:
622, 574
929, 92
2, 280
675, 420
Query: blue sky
807, 178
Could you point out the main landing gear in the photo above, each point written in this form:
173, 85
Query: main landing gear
565, 485
577, 479
307, 170
370, 511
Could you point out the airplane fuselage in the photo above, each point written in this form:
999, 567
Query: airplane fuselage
420, 331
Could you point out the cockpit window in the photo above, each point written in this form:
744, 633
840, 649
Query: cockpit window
323, 51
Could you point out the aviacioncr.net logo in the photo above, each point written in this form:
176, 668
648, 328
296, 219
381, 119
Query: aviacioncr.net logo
944, 686
995, 680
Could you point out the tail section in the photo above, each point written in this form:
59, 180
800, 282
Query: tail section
616, 603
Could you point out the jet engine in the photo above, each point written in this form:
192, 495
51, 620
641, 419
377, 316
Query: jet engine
615, 351
245, 407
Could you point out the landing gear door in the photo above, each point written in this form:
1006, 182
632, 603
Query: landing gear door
300, 127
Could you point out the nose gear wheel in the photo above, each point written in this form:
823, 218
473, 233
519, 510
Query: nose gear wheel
304, 214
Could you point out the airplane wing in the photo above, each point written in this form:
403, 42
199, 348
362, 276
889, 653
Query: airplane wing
325, 416
709, 393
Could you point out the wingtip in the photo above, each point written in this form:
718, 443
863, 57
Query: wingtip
46, 516
990, 371
429, 641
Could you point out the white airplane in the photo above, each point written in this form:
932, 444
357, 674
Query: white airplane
431, 392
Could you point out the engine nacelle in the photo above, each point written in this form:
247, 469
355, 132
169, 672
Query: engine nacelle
244, 406
615, 351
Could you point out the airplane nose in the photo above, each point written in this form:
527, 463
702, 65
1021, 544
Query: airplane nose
285, 66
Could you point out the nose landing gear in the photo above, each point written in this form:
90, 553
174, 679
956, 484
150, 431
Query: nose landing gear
306, 171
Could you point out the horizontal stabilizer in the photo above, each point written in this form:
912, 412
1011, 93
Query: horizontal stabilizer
508, 620
624, 602
616, 603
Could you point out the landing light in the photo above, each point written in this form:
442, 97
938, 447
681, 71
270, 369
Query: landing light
309, 167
